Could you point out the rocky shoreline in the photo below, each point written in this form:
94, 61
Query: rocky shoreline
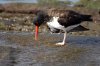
20, 19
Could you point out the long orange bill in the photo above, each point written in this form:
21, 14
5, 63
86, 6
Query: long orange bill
36, 32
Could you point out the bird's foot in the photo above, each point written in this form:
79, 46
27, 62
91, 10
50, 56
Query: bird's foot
60, 43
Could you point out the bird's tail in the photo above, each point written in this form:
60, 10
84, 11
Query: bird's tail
87, 18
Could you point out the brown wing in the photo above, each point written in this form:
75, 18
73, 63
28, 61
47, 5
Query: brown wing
68, 17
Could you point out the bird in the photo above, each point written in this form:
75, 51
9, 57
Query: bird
61, 19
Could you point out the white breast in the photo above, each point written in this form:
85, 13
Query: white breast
54, 24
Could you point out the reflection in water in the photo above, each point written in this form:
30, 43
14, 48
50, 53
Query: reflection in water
8, 56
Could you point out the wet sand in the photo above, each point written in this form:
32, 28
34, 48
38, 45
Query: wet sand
20, 49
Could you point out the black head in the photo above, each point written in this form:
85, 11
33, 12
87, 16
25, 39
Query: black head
40, 18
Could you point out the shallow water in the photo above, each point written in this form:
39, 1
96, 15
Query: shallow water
20, 49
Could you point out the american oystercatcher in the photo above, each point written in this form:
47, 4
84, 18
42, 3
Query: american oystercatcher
60, 20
